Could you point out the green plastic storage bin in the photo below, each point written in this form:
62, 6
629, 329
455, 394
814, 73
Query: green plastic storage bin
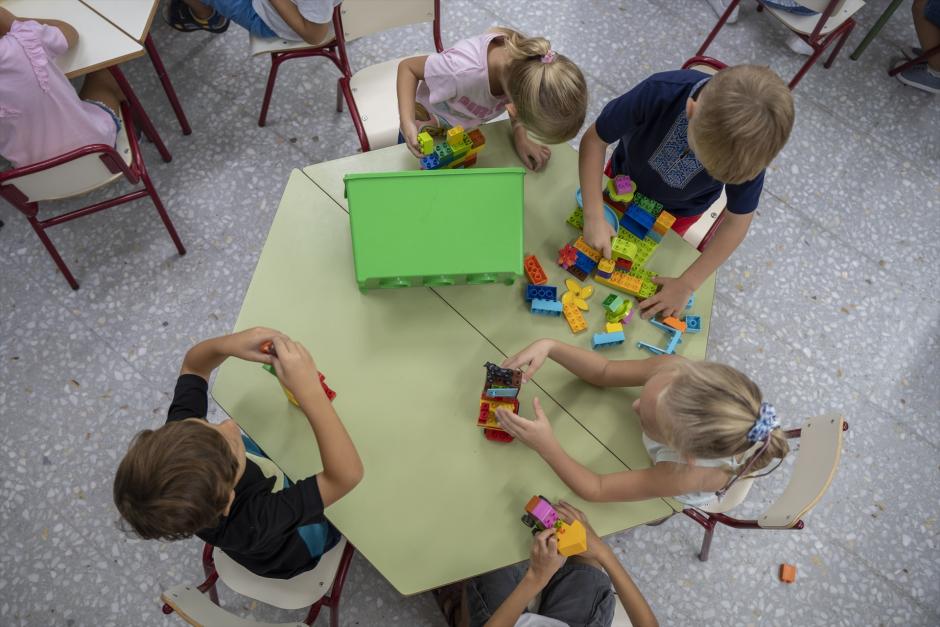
436, 228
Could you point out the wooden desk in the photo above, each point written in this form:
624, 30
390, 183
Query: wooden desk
135, 17
438, 503
504, 318
100, 45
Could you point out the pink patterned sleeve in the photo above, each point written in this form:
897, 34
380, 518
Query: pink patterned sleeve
440, 77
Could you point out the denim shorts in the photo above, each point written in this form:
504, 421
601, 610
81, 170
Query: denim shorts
578, 594
242, 13
114, 116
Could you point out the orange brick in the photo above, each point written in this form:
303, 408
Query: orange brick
534, 271
574, 318
664, 222
583, 246
675, 323
787, 573
623, 282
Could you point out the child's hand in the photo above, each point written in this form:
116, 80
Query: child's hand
598, 234
534, 156
409, 130
530, 358
670, 300
295, 367
569, 514
247, 344
536, 434
544, 558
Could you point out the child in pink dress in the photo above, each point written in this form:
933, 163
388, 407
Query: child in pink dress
41, 116
478, 78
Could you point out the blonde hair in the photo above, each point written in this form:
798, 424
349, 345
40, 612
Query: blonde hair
741, 122
547, 89
713, 406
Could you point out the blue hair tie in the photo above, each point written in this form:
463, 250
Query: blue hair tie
765, 423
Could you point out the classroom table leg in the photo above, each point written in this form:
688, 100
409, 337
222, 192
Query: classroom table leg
167, 85
874, 30
138, 110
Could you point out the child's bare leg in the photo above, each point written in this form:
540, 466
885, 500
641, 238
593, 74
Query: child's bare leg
102, 87
928, 33
198, 9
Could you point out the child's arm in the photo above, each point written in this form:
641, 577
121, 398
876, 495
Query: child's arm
663, 479
591, 152
638, 610
675, 293
68, 31
534, 156
544, 562
209, 354
587, 365
342, 468
311, 32
410, 71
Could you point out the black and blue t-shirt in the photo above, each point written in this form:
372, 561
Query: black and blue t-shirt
274, 528
651, 125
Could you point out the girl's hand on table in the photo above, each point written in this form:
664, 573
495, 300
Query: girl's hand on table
598, 234
409, 130
533, 155
530, 358
537, 434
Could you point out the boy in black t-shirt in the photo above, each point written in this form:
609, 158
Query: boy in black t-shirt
191, 477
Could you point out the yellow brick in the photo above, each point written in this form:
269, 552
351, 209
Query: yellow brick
623, 282
613, 327
572, 539
574, 318
606, 265
455, 135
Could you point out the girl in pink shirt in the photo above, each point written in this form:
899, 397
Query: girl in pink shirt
480, 77
41, 116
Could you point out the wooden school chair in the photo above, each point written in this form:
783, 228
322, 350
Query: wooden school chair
282, 50
315, 589
78, 172
833, 23
815, 466
370, 93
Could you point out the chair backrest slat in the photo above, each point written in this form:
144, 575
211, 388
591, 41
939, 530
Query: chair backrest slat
820, 5
816, 463
366, 17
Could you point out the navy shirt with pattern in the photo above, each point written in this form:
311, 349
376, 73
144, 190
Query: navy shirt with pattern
651, 125
262, 529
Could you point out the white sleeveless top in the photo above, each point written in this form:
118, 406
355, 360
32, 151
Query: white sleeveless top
659, 452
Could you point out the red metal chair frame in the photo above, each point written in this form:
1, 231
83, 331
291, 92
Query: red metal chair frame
344, 81
135, 173
140, 114
330, 600
710, 520
923, 57
167, 85
333, 50
816, 41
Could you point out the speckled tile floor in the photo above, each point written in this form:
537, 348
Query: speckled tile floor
831, 302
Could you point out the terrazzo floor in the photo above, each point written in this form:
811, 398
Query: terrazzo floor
831, 302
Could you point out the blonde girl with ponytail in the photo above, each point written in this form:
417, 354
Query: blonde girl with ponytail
478, 78
704, 425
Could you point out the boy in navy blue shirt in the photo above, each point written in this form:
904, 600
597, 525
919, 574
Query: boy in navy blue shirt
682, 135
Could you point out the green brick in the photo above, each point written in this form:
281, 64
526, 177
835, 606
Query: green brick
576, 219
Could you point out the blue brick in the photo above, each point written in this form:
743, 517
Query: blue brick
502, 392
430, 162
542, 292
691, 302
604, 340
585, 263
637, 221
546, 307
693, 324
